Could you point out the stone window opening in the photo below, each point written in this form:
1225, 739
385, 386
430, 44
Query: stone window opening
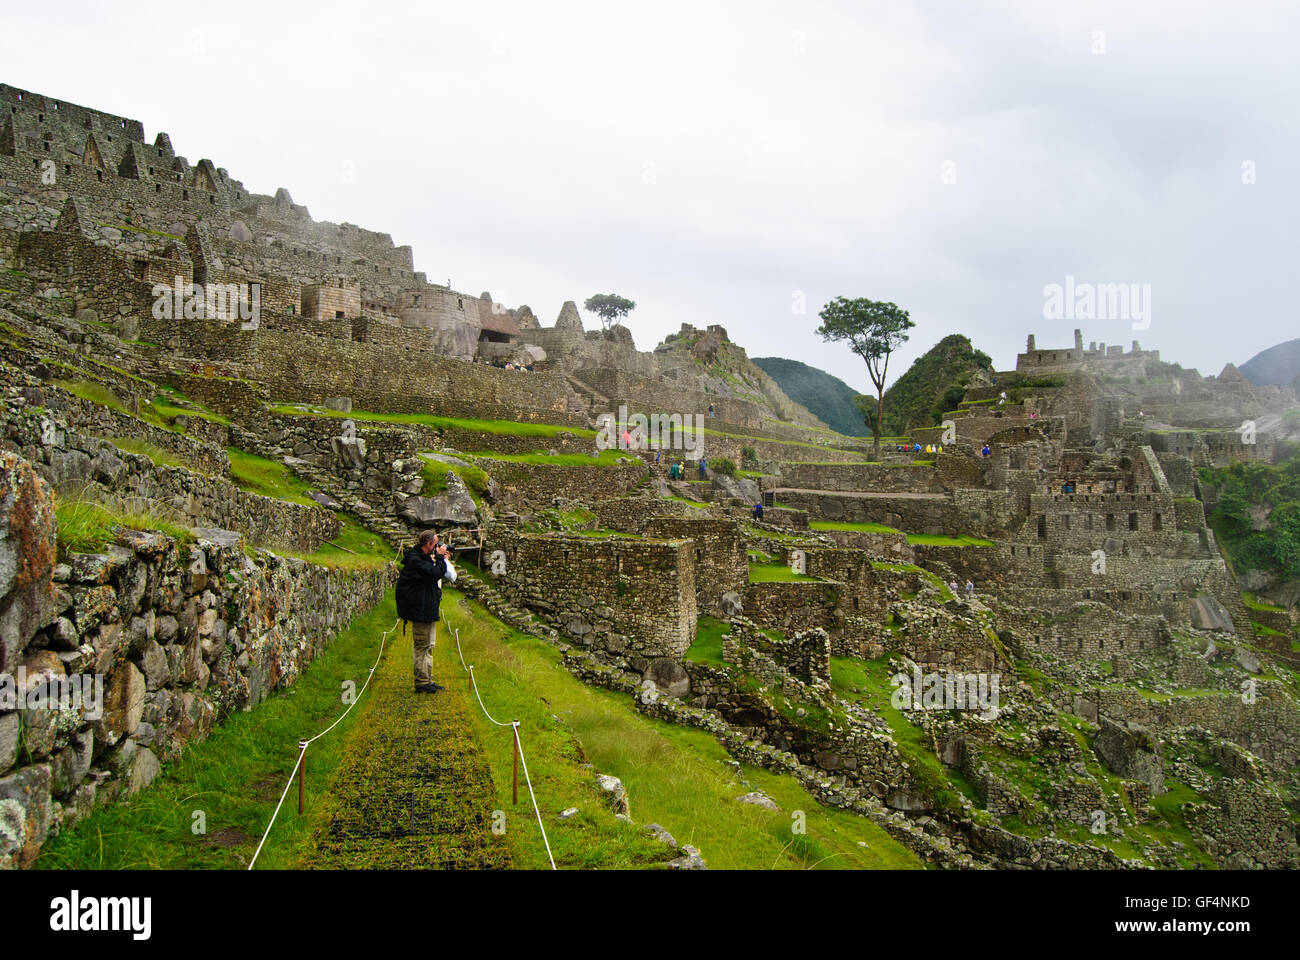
1042, 526
1132, 521
1110, 521
157, 188
185, 194
47, 146
99, 174
338, 314
1156, 522
67, 169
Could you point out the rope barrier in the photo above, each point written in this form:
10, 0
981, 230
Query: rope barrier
304, 744
519, 745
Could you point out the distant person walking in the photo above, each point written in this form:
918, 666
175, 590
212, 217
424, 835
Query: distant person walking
419, 593
970, 589
758, 511
985, 452
704, 469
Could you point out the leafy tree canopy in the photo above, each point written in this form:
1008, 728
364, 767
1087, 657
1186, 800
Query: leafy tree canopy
610, 307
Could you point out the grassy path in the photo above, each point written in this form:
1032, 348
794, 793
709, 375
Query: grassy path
412, 789
676, 776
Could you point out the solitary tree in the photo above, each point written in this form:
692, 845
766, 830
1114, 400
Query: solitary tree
874, 330
610, 307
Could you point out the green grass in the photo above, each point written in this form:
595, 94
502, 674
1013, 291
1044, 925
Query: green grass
928, 540
435, 473
690, 503
235, 777
674, 775
707, 646
153, 233
267, 477
157, 454
1254, 603
510, 427
871, 678
773, 573
354, 548
85, 526
851, 527
607, 458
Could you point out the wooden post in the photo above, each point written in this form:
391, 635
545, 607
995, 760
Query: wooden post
302, 772
515, 728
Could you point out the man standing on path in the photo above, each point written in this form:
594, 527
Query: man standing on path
419, 592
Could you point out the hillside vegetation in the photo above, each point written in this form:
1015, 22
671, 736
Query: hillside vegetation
829, 398
935, 383
1257, 515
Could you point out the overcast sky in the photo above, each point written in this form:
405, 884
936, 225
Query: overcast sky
726, 162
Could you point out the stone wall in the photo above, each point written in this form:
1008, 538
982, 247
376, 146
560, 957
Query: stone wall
938, 515
179, 635
539, 483
721, 562
862, 476
74, 462
794, 605
622, 594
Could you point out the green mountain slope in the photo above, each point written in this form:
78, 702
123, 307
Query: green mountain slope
829, 398
934, 383
1278, 365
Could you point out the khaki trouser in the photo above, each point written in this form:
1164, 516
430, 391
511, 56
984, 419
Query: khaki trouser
422, 638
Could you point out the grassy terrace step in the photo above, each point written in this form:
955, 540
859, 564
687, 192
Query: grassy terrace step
675, 776
916, 539
607, 458
412, 789
235, 778
514, 428
775, 572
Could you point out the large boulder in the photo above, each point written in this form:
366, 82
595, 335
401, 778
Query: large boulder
670, 678
454, 506
1130, 751
1208, 613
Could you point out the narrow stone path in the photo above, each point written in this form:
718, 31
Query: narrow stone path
413, 790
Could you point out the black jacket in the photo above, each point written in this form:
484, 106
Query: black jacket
418, 593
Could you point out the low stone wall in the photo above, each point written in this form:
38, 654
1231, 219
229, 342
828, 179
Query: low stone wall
631, 514
71, 461
177, 635
912, 515
539, 483
794, 605
98, 420
842, 477
622, 594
